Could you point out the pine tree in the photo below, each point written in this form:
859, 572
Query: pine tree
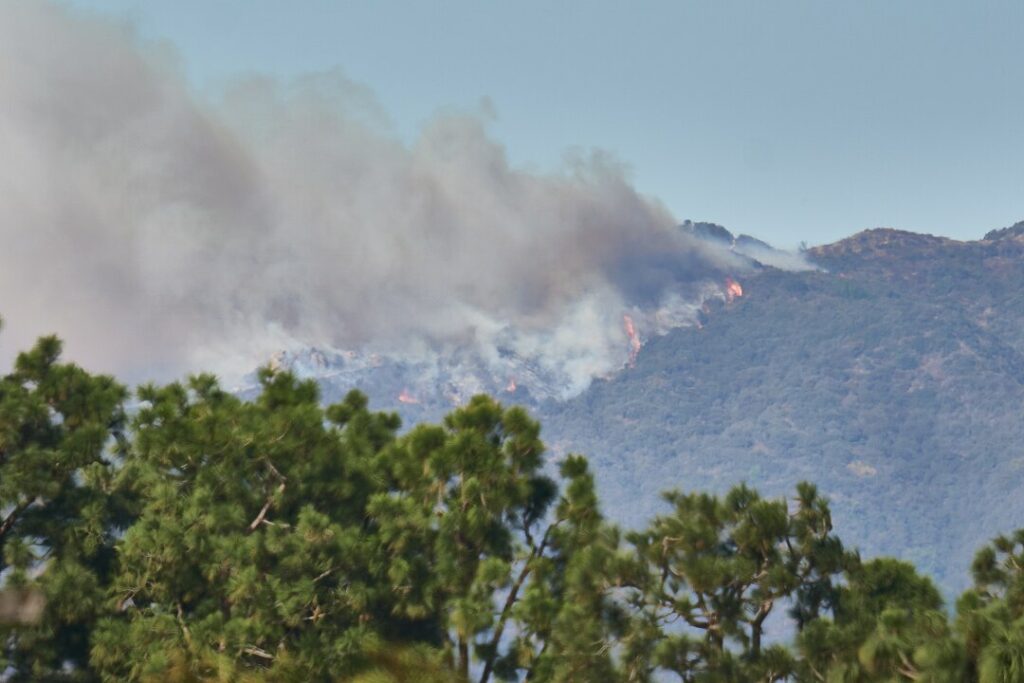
888, 625
250, 552
574, 614
458, 525
277, 540
991, 614
58, 515
719, 567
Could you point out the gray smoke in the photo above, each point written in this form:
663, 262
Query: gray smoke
159, 232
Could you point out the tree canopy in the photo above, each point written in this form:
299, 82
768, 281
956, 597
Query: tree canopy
200, 537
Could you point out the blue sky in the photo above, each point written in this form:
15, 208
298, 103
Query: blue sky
793, 121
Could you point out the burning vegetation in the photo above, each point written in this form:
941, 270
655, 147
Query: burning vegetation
733, 290
634, 338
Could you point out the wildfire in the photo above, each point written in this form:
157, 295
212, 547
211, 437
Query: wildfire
406, 397
511, 388
733, 290
634, 339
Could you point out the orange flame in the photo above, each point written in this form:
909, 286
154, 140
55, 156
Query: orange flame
511, 388
406, 397
733, 290
634, 339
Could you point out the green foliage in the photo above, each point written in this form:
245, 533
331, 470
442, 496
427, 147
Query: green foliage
406, 664
720, 566
251, 550
59, 514
277, 538
888, 624
218, 539
991, 614
457, 521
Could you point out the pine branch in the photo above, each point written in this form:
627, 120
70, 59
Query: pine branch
262, 516
510, 601
184, 627
257, 652
11, 518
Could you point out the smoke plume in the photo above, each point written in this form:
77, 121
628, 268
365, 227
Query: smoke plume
160, 232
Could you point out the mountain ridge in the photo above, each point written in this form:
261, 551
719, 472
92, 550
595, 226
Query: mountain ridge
892, 377
887, 367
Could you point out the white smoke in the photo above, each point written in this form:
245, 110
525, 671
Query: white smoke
776, 258
159, 232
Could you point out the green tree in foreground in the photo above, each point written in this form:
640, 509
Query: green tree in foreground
991, 615
276, 537
216, 539
252, 550
722, 566
58, 517
888, 625
458, 523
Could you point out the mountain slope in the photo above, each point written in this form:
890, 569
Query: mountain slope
894, 380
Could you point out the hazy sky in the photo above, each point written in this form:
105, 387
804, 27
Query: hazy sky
789, 120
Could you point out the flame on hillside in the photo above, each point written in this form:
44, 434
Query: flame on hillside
447, 375
634, 339
733, 290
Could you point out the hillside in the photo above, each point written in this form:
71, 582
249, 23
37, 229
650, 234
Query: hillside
893, 378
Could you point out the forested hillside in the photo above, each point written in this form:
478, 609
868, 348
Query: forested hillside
893, 377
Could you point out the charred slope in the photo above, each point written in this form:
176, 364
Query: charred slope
895, 381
